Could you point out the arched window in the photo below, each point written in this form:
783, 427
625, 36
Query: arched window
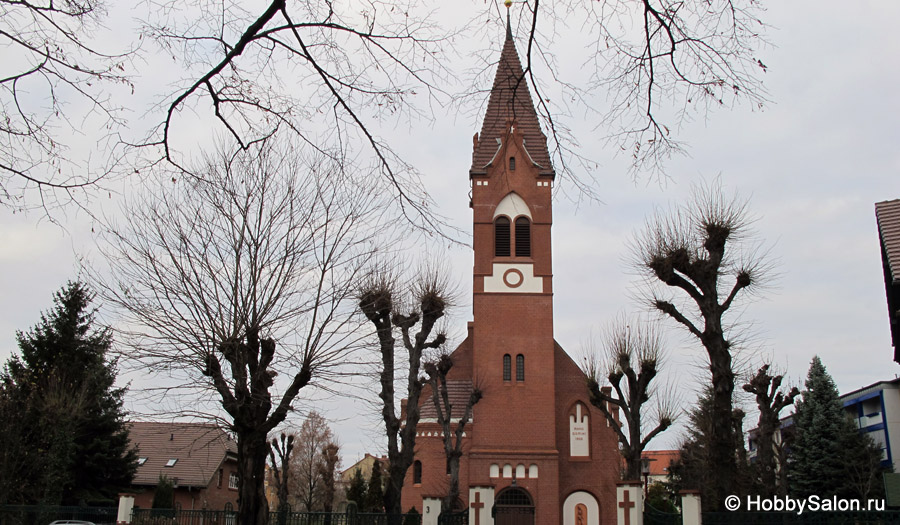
520, 367
512, 164
507, 367
523, 237
417, 472
501, 237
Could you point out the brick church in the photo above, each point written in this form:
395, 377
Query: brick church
535, 451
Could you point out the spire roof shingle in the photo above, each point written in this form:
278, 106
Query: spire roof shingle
510, 100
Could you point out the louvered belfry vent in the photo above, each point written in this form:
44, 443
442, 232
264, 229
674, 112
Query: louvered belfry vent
501, 237
523, 237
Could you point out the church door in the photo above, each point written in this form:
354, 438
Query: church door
514, 507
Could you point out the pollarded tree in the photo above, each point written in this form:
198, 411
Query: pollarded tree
770, 400
70, 414
245, 274
328, 470
696, 264
451, 437
383, 307
280, 458
634, 355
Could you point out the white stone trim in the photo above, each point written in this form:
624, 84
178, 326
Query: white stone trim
590, 503
501, 282
512, 206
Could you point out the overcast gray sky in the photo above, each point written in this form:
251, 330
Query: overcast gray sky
812, 164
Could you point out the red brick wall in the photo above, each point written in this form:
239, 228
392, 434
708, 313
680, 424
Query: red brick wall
211, 497
599, 474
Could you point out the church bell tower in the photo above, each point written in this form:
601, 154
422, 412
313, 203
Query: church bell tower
512, 337
535, 450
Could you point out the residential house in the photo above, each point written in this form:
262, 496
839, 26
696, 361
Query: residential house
658, 463
201, 460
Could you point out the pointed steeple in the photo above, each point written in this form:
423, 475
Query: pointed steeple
510, 103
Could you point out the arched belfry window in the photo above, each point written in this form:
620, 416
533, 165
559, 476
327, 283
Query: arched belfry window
523, 237
417, 472
520, 367
507, 367
501, 237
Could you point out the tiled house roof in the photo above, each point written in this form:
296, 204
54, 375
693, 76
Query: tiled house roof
458, 392
510, 101
887, 214
198, 451
660, 460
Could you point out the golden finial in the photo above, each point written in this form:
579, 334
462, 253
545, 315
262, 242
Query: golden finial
507, 3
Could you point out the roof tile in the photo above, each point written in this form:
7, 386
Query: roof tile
510, 101
198, 448
888, 215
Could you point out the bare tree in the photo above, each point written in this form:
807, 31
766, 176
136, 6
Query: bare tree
451, 437
770, 400
382, 305
634, 353
348, 63
281, 469
328, 471
659, 62
699, 254
234, 278
308, 461
52, 90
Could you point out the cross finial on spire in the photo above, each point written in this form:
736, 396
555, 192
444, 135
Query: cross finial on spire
508, 3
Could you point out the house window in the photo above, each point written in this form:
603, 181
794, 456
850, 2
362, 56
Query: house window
501, 237
520, 367
417, 472
233, 481
221, 475
171, 462
523, 237
512, 164
141, 461
507, 367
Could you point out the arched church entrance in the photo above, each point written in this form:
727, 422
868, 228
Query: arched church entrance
514, 506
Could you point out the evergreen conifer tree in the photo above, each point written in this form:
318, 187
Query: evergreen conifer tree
829, 457
375, 492
356, 493
72, 415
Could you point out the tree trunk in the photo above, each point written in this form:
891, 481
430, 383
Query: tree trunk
723, 465
253, 508
447, 505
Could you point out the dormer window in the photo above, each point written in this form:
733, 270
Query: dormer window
523, 237
501, 237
